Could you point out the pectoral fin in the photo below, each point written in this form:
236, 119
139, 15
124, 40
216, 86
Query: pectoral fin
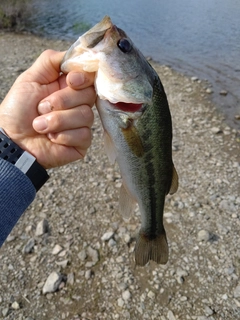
133, 140
126, 203
174, 185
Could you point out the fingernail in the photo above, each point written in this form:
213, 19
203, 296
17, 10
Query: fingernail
40, 124
76, 79
44, 107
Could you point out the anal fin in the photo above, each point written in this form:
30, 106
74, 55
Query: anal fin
155, 249
126, 204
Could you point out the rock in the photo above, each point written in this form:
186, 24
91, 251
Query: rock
126, 295
5, 312
42, 227
236, 292
62, 263
88, 274
57, 249
203, 235
82, 255
209, 90
216, 130
107, 236
52, 283
194, 79
223, 92
70, 278
112, 243
93, 254
15, 305
170, 315
28, 248
120, 302
151, 295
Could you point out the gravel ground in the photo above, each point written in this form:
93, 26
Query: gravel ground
73, 232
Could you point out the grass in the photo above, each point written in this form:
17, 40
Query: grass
13, 13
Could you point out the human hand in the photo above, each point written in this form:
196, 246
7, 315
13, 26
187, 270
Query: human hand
48, 114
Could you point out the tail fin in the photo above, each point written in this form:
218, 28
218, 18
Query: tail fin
155, 249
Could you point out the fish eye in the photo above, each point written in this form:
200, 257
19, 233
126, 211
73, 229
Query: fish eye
124, 45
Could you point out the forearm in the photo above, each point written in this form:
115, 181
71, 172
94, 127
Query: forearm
16, 194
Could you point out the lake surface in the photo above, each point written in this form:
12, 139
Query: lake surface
197, 37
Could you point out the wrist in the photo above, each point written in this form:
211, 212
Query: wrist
23, 160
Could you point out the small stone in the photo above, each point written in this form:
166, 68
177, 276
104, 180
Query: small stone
62, 263
208, 311
88, 274
126, 295
170, 315
42, 227
82, 255
93, 254
151, 295
52, 283
223, 92
28, 248
216, 130
237, 117
236, 292
120, 302
112, 243
107, 236
127, 238
1, 300
70, 278
5, 312
15, 305
203, 235
10, 238
194, 79
57, 249
209, 90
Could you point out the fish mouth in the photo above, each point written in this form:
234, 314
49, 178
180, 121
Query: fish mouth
128, 107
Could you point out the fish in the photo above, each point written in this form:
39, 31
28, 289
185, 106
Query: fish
136, 119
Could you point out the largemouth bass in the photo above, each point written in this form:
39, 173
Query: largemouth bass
135, 115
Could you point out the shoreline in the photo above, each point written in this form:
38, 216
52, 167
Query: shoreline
99, 280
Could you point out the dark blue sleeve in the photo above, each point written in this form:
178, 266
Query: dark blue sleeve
16, 194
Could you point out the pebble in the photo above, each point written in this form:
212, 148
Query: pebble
15, 305
223, 93
126, 295
57, 248
28, 248
82, 255
120, 302
62, 263
151, 295
236, 292
209, 90
5, 312
52, 283
42, 227
88, 274
216, 130
203, 235
70, 278
107, 236
170, 315
93, 254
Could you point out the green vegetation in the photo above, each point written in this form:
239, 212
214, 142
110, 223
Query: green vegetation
13, 13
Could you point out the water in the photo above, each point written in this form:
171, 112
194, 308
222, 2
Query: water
197, 37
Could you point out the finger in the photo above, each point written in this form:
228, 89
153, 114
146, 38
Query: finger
79, 138
67, 98
46, 68
80, 80
57, 121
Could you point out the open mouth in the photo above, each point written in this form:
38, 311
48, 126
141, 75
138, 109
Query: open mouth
128, 107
